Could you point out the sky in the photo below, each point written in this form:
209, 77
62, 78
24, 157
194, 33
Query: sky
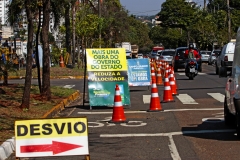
146, 7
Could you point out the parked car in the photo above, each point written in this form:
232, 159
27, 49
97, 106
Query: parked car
167, 55
140, 55
178, 61
205, 55
225, 59
212, 57
232, 90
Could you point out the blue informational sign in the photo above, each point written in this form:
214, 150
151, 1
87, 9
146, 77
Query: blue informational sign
139, 72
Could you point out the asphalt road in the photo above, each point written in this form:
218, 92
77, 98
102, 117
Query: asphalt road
191, 128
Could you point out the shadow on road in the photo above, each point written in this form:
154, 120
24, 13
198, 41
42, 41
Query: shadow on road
215, 130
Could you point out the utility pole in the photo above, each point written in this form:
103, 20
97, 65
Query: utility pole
204, 7
100, 27
229, 21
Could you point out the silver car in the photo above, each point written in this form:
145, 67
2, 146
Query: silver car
212, 56
205, 55
167, 55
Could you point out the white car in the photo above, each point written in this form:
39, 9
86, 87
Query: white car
232, 90
224, 60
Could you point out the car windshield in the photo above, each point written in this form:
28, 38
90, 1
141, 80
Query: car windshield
170, 53
216, 52
154, 52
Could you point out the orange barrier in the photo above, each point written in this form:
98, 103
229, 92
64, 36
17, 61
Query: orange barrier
167, 94
118, 111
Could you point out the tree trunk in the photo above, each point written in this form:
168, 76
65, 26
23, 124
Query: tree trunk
5, 77
68, 31
28, 79
46, 91
73, 34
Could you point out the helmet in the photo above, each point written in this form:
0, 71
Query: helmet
191, 46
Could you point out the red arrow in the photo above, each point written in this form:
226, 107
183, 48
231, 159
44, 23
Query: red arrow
55, 147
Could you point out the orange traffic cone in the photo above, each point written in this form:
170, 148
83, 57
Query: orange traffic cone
167, 94
174, 77
155, 100
118, 111
153, 76
159, 76
61, 61
172, 83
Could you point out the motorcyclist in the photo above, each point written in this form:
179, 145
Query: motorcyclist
191, 54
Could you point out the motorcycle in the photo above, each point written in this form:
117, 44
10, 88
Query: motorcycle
191, 69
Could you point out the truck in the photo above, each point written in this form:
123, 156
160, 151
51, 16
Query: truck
134, 51
127, 46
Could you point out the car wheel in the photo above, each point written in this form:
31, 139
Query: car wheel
200, 68
228, 117
217, 71
209, 63
222, 72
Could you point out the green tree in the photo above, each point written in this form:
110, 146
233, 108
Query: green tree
169, 37
138, 33
86, 24
178, 14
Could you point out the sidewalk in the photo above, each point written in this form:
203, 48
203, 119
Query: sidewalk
8, 147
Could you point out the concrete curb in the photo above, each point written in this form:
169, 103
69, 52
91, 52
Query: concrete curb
8, 147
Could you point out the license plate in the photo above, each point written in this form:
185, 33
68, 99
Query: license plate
192, 69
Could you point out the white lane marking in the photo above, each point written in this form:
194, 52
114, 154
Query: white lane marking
167, 110
192, 109
165, 134
146, 99
213, 120
111, 112
141, 123
218, 117
95, 124
173, 149
186, 99
68, 86
217, 96
201, 73
183, 74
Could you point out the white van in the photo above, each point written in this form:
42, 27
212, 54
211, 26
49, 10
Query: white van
224, 59
232, 91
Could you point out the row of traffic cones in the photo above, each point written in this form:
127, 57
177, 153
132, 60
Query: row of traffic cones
170, 89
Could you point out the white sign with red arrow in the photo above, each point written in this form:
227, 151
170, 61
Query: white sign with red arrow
51, 137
